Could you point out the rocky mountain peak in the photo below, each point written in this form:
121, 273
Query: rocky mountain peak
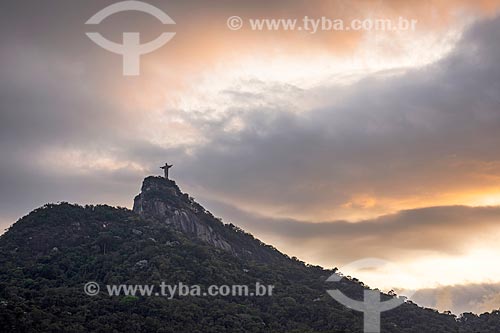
155, 190
162, 200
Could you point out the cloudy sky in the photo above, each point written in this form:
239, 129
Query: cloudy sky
333, 146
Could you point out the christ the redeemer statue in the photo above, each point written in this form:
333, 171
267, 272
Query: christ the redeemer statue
165, 168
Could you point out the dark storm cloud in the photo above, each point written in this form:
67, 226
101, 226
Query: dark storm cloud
431, 130
447, 230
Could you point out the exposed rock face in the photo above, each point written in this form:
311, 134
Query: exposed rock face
189, 223
162, 200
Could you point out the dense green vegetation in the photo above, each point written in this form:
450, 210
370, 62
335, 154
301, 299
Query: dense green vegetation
48, 256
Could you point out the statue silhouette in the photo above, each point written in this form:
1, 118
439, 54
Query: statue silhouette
165, 169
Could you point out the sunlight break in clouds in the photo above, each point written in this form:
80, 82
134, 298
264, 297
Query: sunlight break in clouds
346, 127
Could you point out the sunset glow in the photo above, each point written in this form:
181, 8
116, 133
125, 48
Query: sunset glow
379, 143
